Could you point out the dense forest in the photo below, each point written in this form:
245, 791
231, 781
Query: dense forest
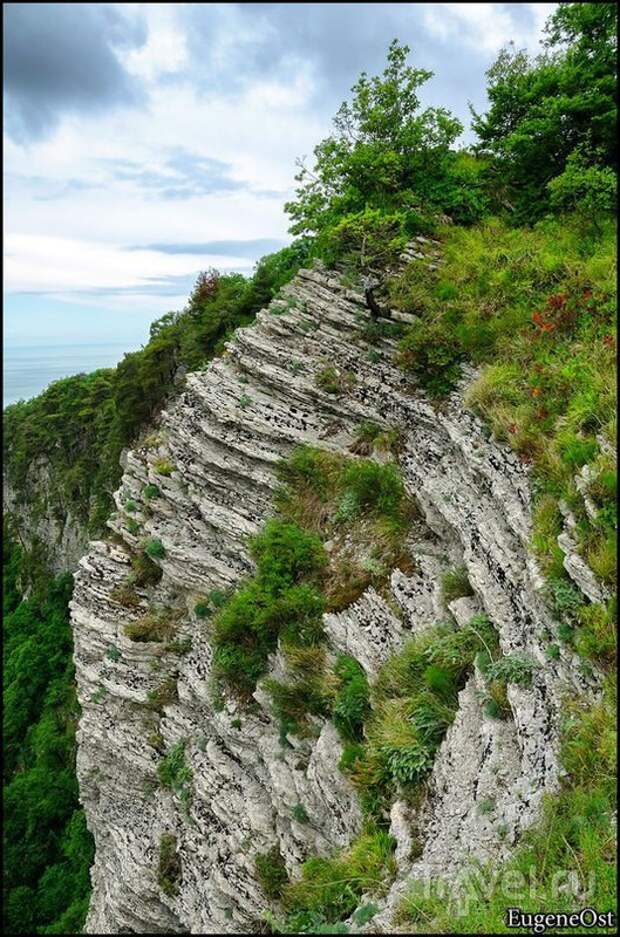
527, 292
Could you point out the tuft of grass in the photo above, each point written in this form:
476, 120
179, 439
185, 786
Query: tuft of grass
169, 869
163, 695
158, 624
151, 491
455, 584
174, 773
155, 548
163, 466
330, 889
271, 873
333, 381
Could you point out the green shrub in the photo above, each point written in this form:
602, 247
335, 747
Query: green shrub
330, 888
130, 506
132, 526
203, 609
151, 491
352, 703
512, 668
169, 871
430, 353
155, 548
271, 872
113, 653
244, 401
276, 601
299, 813
565, 600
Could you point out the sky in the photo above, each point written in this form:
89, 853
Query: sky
146, 142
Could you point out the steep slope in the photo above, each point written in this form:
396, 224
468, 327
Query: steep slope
213, 462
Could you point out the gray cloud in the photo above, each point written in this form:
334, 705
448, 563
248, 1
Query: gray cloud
185, 175
247, 249
340, 40
59, 57
169, 285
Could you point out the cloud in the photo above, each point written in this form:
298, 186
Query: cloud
148, 141
250, 249
61, 57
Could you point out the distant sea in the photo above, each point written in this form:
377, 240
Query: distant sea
28, 369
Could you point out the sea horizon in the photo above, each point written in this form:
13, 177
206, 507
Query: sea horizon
28, 369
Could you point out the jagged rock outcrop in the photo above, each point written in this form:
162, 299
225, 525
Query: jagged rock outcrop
223, 438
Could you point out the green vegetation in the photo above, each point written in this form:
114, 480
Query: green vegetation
551, 126
80, 424
155, 548
455, 584
173, 772
414, 701
576, 835
280, 598
47, 848
333, 381
330, 889
163, 695
158, 624
526, 292
169, 868
299, 813
163, 466
352, 701
271, 872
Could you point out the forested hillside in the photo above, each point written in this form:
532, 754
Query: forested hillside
525, 292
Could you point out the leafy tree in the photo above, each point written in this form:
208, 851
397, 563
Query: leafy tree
542, 110
47, 847
384, 155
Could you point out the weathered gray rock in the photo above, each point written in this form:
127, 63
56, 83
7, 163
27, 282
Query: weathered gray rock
246, 784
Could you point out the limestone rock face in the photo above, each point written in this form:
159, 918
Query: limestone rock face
222, 439
36, 515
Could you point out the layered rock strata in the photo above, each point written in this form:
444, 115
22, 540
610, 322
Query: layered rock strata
222, 440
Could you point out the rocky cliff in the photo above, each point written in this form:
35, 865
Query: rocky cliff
219, 444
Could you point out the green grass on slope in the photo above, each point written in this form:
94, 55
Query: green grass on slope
536, 309
565, 863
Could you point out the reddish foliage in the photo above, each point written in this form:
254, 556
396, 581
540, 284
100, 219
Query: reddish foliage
206, 287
